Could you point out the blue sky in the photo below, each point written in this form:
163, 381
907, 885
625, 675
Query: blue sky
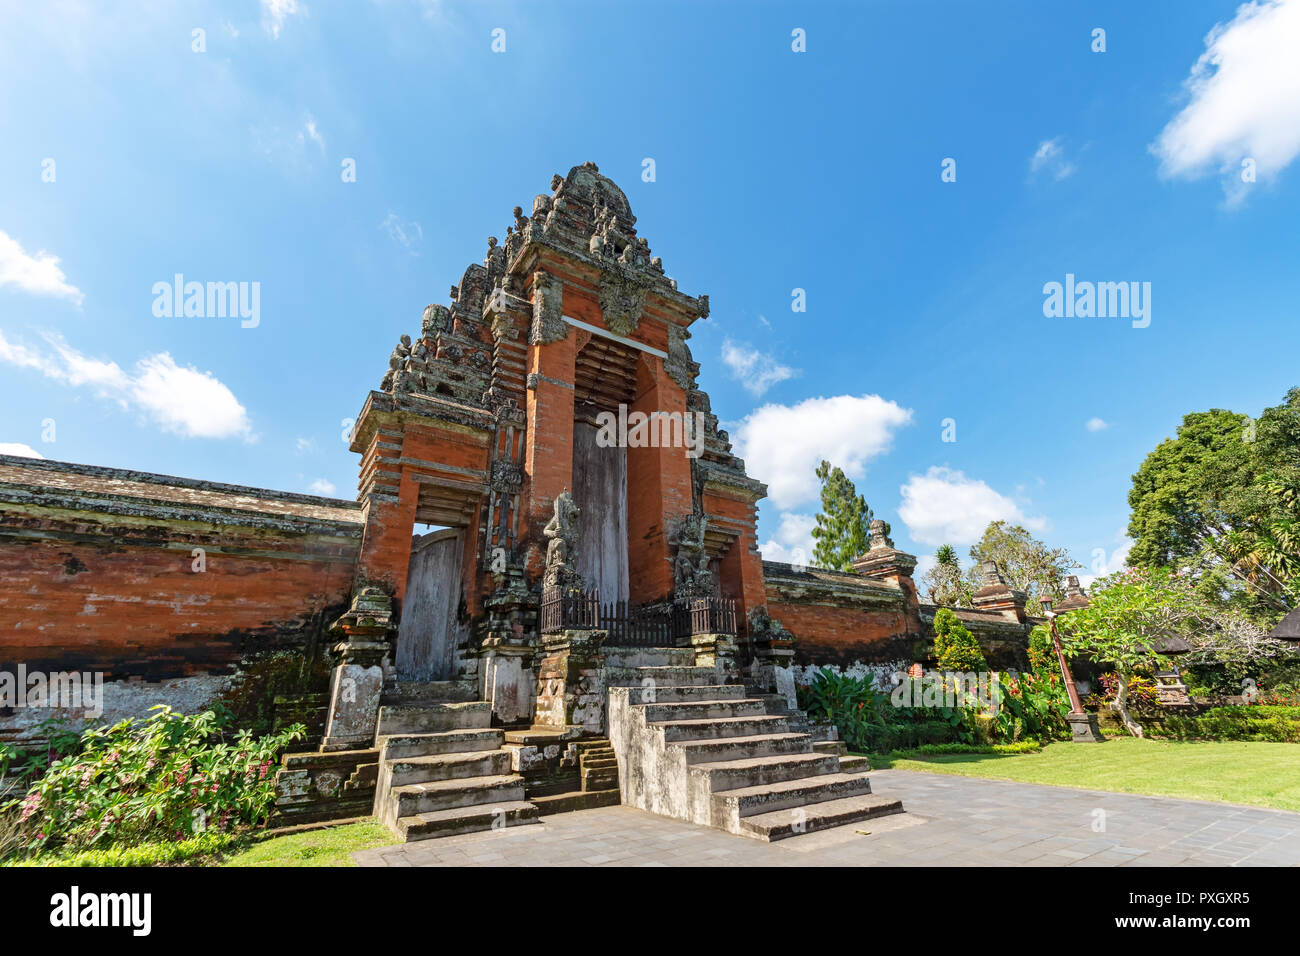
775, 170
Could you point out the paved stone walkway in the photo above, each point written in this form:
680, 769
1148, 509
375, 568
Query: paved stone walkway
950, 820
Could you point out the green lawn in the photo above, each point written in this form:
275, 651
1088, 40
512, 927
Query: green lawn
1260, 774
327, 847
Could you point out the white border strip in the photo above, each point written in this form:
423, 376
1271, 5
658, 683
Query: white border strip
596, 330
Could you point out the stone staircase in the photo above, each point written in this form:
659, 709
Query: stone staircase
443, 771
695, 749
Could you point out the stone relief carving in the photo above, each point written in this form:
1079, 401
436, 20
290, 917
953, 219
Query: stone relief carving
691, 574
622, 300
561, 533
548, 301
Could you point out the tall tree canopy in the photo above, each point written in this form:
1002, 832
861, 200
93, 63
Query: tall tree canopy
1222, 498
842, 525
943, 584
1027, 563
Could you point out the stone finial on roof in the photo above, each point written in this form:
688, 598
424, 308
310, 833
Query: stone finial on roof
991, 574
879, 531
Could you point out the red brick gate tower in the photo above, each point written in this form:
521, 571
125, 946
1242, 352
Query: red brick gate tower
473, 426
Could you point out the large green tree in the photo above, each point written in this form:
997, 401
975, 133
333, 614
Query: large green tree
842, 525
1222, 499
1027, 563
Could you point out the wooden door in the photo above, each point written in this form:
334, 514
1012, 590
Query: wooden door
428, 632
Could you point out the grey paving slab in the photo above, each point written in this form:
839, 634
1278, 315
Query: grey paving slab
950, 821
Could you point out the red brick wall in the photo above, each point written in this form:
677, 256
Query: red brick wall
89, 593
827, 634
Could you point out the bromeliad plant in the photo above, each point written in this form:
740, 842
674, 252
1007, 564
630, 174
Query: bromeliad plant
171, 776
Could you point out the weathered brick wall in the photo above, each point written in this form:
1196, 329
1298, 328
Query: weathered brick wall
161, 585
847, 621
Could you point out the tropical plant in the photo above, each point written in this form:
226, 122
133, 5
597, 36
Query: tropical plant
170, 776
1129, 620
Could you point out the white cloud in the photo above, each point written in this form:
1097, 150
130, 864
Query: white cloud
19, 449
311, 132
304, 445
276, 12
1096, 425
322, 487
39, 274
407, 233
785, 443
180, 399
1102, 564
793, 540
943, 506
1244, 99
755, 370
1050, 156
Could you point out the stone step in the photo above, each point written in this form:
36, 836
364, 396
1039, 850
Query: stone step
702, 709
576, 800
837, 747
416, 798
854, 764
756, 771
432, 718
402, 746
600, 780
601, 760
487, 816
787, 794
779, 824
427, 692
658, 694
715, 727
674, 676
454, 766
743, 748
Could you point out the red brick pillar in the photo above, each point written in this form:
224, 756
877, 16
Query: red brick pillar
658, 487
548, 452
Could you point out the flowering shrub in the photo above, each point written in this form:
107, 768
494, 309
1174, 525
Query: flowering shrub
1033, 706
171, 776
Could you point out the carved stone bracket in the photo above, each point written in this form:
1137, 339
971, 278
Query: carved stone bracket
548, 302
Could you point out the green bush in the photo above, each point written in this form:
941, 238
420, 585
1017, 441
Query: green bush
955, 647
939, 750
168, 777
1258, 723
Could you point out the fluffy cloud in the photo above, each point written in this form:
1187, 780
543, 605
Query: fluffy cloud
276, 12
1102, 564
943, 506
785, 443
408, 234
39, 274
323, 487
1050, 157
1096, 425
1243, 99
180, 399
19, 449
755, 370
793, 541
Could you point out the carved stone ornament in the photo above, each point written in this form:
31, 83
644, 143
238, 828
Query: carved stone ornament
622, 300
548, 304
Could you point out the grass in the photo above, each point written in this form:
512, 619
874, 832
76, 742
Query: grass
331, 846
1257, 774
